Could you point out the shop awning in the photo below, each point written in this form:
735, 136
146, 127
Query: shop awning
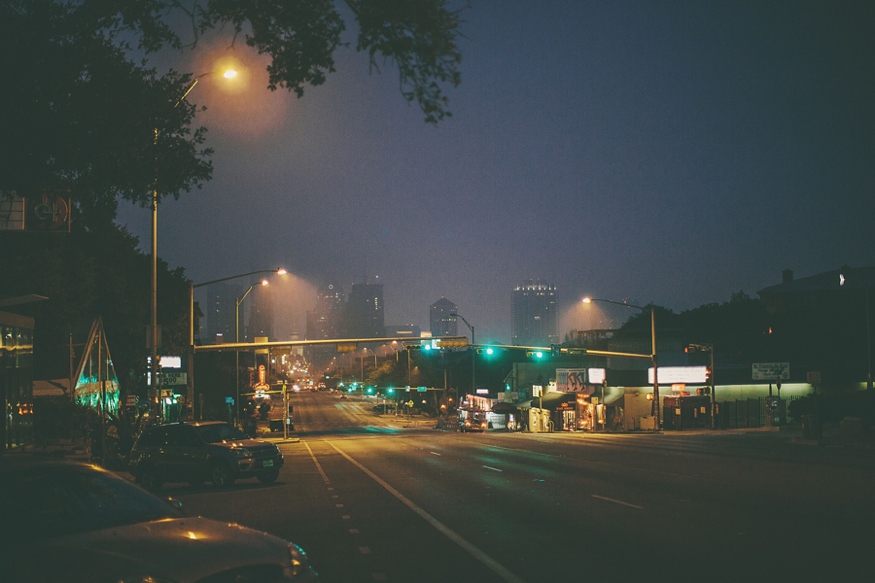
552, 400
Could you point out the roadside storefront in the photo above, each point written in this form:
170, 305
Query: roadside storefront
16, 379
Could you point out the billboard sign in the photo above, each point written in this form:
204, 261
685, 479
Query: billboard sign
670, 375
571, 380
770, 371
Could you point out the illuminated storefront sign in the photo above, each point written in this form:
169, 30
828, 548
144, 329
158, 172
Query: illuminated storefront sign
670, 375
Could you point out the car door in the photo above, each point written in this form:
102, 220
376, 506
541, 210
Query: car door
171, 457
192, 452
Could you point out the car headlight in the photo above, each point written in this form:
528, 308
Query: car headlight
242, 452
298, 560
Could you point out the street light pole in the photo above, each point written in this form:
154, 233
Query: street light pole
655, 411
153, 303
237, 350
712, 386
154, 397
191, 288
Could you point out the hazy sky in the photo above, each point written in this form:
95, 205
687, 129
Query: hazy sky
667, 152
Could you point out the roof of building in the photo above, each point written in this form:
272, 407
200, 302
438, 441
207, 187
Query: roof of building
835, 280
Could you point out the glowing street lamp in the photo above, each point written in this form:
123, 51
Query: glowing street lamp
657, 414
153, 323
191, 288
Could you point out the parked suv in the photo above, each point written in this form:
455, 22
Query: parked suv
195, 452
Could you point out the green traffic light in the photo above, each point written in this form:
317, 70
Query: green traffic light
539, 354
489, 351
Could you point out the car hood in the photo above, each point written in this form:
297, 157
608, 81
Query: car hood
176, 550
247, 443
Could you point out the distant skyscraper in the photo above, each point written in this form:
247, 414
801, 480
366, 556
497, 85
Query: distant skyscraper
260, 313
363, 316
325, 320
219, 312
535, 319
441, 323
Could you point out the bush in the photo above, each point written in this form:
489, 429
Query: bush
56, 418
834, 408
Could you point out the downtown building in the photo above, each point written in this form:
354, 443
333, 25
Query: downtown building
325, 321
219, 311
260, 323
442, 318
534, 314
363, 316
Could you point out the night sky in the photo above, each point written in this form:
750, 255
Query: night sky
666, 152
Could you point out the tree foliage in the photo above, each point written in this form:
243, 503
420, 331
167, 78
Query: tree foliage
86, 274
79, 113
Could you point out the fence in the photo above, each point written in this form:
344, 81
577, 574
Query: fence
742, 413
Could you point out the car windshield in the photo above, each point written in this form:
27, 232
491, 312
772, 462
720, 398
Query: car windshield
218, 433
44, 501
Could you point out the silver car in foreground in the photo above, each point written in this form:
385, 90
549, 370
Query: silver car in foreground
69, 521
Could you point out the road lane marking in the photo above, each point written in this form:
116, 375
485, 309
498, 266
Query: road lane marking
493, 469
618, 502
365, 550
353, 531
338, 505
378, 576
346, 517
318, 465
488, 561
435, 453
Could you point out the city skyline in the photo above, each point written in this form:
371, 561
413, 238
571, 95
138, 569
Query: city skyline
674, 154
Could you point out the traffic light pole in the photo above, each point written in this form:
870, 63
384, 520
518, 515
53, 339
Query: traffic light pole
713, 394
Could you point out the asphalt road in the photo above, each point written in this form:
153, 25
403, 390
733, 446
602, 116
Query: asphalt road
384, 498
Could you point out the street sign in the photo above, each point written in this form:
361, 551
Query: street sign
347, 347
769, 371
174, 378
422, 389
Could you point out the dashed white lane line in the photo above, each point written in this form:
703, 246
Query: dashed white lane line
493, 469
318, 465
435, 453
488, 561
618, 502
365, 550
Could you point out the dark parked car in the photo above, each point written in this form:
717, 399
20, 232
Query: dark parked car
75, 522
198, 451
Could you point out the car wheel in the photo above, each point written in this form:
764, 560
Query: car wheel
221, 476
269, 477
148, 478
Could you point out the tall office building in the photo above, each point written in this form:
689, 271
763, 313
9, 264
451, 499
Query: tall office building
441, 322
363, 316
260, 314
219, 312
534, 316
325, 320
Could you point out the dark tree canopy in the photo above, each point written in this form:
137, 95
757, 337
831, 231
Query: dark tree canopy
79, 113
